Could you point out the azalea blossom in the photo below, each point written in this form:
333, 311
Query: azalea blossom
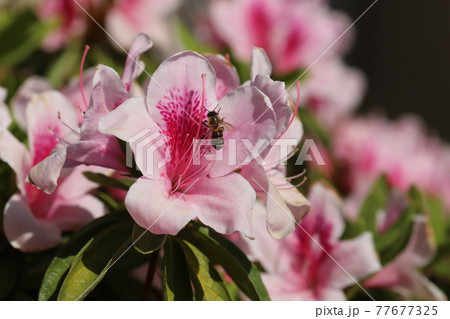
72, 21
372, 146
402, 274
89, 146
312, 263
269, 177
126, 18
293, 33
196, 181
33, 220
332, 90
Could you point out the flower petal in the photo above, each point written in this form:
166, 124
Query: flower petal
33, 85
280, 220
45, 174
326, 202
224, 203
16, 155
50, 118
226, 74
260, 63
131, 123
180, 74
356, 256
251, 114
153, 207
133, 68
23, 231
74, 213
5, 118
276, 92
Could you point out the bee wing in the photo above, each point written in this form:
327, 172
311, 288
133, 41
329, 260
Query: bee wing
228, 127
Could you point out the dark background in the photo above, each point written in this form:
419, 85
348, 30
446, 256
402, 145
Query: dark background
403, 46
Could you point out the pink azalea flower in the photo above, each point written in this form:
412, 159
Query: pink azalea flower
33, 220
373, 146
126, 18
402, 274
269, 176
293, 33
269, 180
167, 197
332, 90
71, 20
308, 264
90, 147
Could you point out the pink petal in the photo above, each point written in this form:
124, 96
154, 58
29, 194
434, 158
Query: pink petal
280, 220
73, 93
72, 214
357, 257
251, 114
127, 120
45, 174
33, 85
330, 294
153, 207
293, 134
224, 203
421, 247
260, 63
133, 68
226, 74
5, 118
256, 175
326, 202
274, 255
131, 122
401, 274
180, 74
50, 117
276, 92
16, 155
23, 231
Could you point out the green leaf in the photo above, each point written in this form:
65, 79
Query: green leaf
223, 252
176, 283
375, 201
62, 262
206, 280
391, 242
146, 242
107, 181
94, 260
434, 209
21, 35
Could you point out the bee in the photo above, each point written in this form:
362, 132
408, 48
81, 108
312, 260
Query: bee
217, 126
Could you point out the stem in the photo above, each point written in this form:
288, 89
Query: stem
150, 274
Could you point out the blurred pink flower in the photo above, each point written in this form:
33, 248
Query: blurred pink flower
293, 33
71, 20
126, 18
372, 146
180, 93
89, 146
299, 267
402, 274
332, 90
34, 220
